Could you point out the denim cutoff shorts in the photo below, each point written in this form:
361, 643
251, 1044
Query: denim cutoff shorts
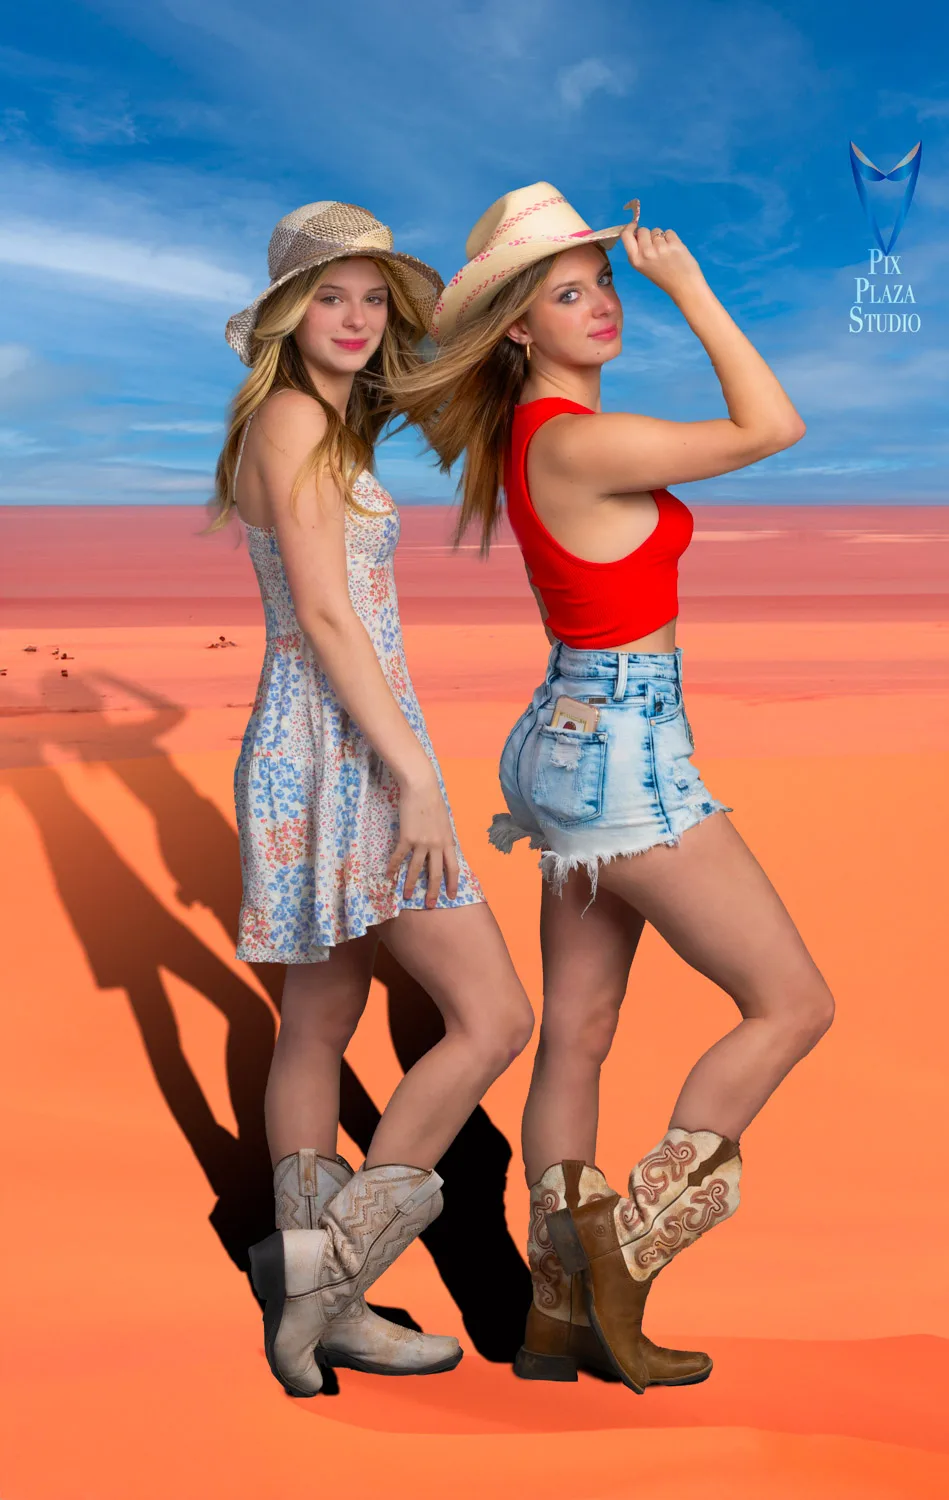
585, 797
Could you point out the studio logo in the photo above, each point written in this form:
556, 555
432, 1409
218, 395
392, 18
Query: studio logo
882, 261
906, 171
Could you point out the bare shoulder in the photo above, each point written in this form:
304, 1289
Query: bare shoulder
287, 428
569, 438
557, 438
291, 422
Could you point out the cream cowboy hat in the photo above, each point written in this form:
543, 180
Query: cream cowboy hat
320, 232
516, 231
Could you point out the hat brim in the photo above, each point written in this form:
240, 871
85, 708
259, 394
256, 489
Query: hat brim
460, 300
421, 284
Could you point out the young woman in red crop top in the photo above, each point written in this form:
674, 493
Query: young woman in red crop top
598, 771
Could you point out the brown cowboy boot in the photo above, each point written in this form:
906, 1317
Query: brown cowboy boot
619, 1245
558, 1340
307, 1277
358, 1339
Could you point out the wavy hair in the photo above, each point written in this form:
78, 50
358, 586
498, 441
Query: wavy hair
463, 400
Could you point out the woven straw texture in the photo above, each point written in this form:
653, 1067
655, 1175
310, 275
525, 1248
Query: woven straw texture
321, 232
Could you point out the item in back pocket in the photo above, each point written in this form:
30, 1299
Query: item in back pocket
570, 713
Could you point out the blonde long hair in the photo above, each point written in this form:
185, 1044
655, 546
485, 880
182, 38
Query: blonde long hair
346, 448
463, 400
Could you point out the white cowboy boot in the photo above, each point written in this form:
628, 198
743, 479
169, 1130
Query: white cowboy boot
359, 1338
307, 1277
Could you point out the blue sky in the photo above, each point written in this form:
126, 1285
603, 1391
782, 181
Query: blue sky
146, 152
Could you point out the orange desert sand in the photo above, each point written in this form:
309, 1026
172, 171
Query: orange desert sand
816, 646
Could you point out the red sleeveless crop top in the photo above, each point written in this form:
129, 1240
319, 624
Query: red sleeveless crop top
593, 605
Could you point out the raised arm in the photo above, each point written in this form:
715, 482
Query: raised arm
312, 543
619, 452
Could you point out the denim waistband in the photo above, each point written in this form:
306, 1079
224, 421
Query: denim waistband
568, 661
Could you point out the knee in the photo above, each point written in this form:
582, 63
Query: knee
810, 1015
316, 1031
582, 1037
517, 1029
503, 1033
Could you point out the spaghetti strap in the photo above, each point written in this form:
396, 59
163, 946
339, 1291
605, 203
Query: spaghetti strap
240, 451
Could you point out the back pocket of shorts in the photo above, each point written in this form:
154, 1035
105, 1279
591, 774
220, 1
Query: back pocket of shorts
569, 773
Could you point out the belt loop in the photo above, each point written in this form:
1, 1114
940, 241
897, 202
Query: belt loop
622, 669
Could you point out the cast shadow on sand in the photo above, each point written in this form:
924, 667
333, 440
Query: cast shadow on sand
130, 937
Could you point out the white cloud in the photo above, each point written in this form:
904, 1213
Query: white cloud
59, 483
13, 123
95, 126
578, 82
894, 102
13, 359
740, 247
192, 429
932, 189
177, 273
499, 31
847, 466
124, 461
14, 441
824, 381
31, 66
32, 385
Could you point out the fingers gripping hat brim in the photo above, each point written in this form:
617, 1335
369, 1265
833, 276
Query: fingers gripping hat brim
420, 283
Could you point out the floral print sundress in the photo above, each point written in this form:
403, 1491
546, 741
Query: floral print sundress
317, 809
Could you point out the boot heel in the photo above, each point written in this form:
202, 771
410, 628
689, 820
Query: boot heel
566, 1241
268, 1274
267, 1268
531, 1366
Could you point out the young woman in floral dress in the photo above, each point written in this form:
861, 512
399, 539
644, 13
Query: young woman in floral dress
346, 834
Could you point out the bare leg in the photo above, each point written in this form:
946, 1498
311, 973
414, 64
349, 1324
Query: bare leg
319, 1012
492, 1308
459, 956
712, 902
587, 958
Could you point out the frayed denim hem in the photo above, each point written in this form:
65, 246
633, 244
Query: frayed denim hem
505, 832
556, 867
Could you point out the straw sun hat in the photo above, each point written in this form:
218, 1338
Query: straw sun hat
321, 232
519, 229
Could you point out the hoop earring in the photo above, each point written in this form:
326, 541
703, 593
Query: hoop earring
527, 351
